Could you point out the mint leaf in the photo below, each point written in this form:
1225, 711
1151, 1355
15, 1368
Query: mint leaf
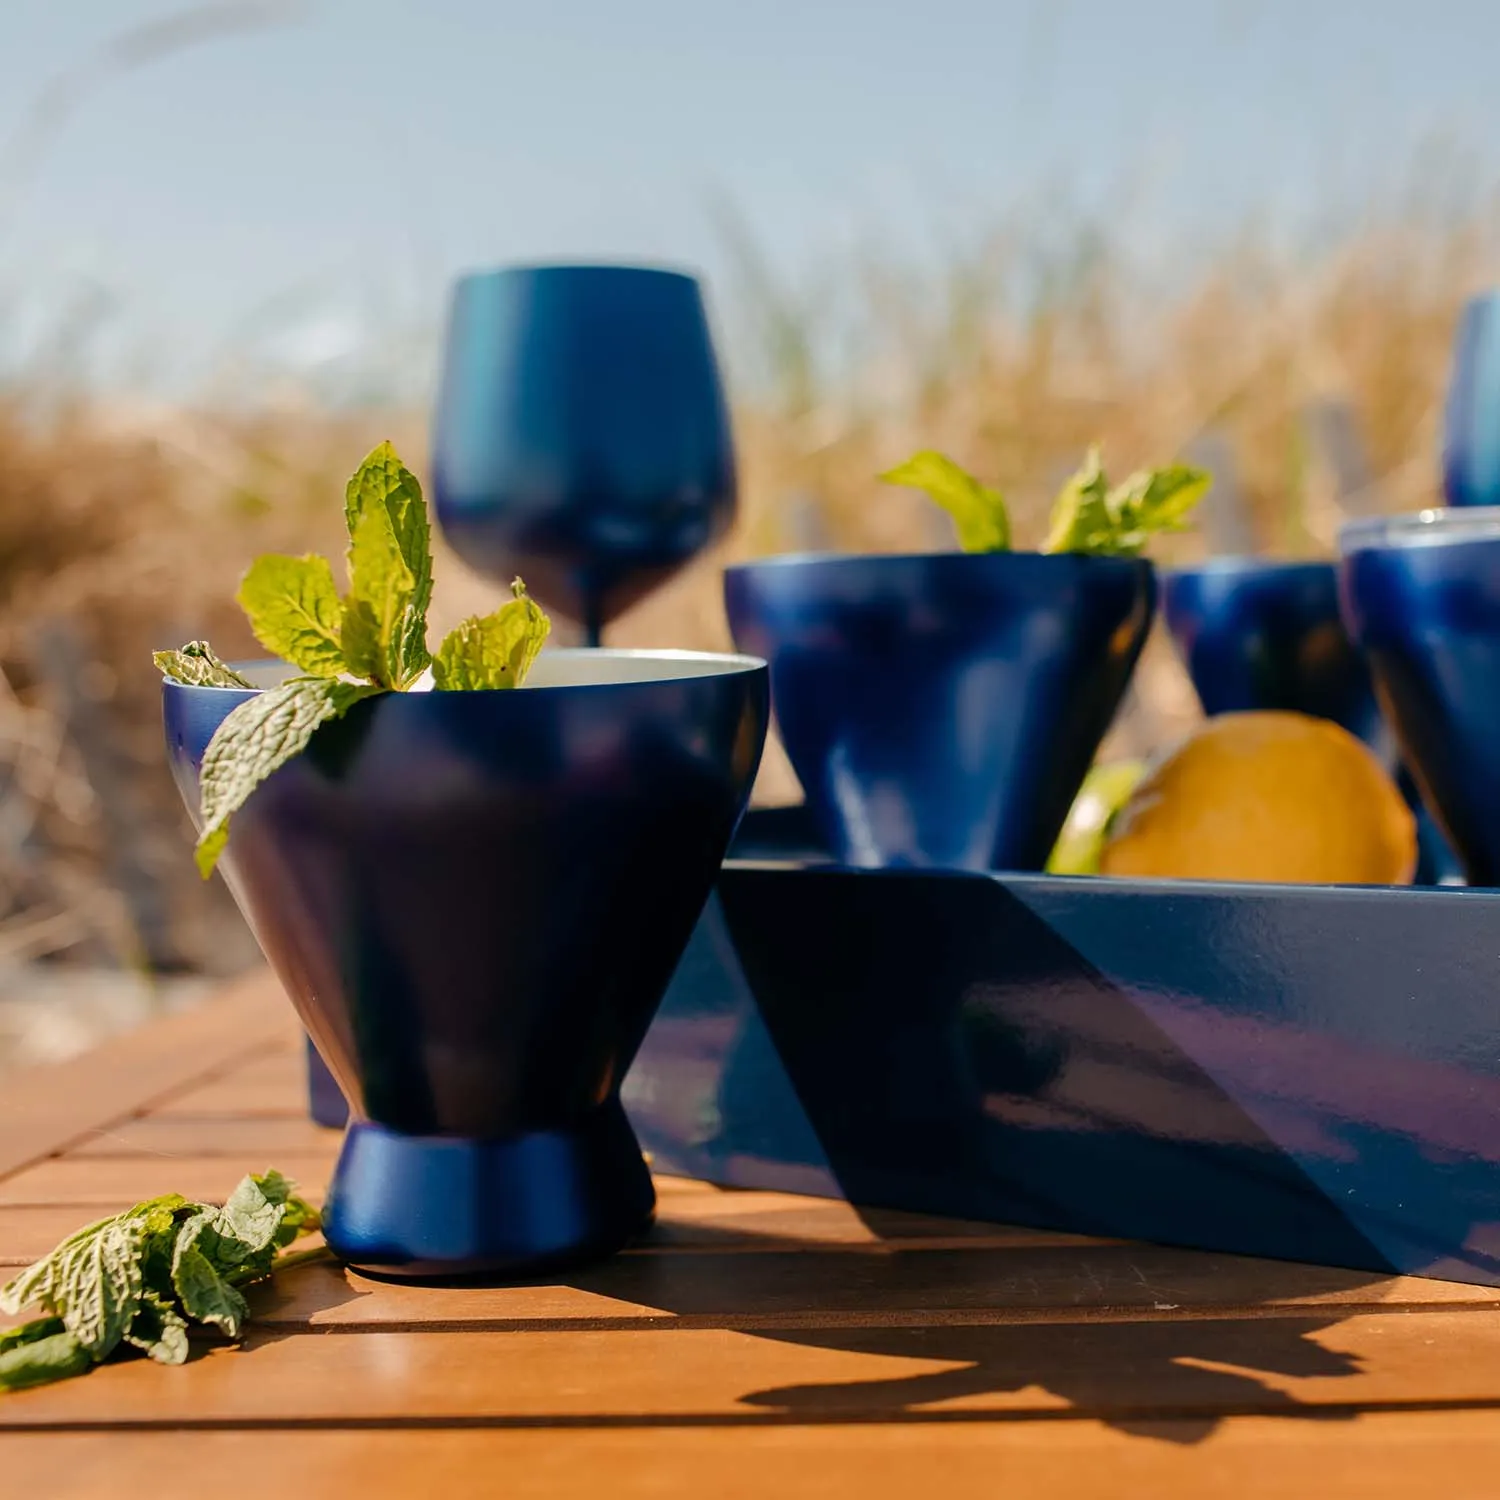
1081, 519
159, 1330
383, 480
381, 591
492, 651
38, 1281
38, 1361
294, 609
195, 665
252, 1214
979, 514
257, 738
298, 1217
241, 1239
99, 1290
206, 1296
1089, 516
1156, 500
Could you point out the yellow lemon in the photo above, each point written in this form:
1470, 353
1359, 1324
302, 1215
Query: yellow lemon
1266, 796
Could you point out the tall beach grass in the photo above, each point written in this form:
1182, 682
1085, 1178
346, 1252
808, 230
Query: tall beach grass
1311, 381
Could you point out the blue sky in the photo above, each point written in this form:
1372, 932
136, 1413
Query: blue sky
290, 187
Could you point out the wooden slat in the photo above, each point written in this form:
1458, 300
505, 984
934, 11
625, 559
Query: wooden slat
267, 1087
908, 1286
669, 1378
187, 1135
94, 1182
1379, 1457
46, 1108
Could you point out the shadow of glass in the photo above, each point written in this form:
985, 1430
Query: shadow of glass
1089, 1329
1166, 1380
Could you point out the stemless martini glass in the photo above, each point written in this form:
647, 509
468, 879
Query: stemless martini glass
581, 437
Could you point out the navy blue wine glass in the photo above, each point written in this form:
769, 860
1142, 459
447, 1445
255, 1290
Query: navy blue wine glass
1471, 423
582, 437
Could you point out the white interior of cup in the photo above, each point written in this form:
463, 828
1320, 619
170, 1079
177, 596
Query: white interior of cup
582, 666
571, 667
1423, 528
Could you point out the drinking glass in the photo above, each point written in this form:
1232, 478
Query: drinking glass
1260, 634
1421, 594
581, 438
1471, 424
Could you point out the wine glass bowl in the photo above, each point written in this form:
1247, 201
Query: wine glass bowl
582, 437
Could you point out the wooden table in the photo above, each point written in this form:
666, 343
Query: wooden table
758, 1345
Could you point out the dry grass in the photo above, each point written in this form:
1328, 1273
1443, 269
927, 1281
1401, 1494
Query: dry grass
127, 531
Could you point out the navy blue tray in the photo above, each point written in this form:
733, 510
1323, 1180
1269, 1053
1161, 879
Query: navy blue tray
1298, 1072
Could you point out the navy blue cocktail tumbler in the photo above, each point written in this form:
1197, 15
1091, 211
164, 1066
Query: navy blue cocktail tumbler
475, 901
1422, 597
943, 709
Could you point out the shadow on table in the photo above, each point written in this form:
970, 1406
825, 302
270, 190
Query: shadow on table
1119, 1357
1149, 1379
1091, 1325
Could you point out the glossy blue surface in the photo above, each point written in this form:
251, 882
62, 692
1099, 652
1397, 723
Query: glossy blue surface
1428, 618
943, 709
1256, 634
581, 437
475, 901
1305, 1073
1471, 428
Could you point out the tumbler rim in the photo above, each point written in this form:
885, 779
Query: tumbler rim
1435, 527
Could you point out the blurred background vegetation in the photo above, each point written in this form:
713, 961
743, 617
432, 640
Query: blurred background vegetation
1309, 378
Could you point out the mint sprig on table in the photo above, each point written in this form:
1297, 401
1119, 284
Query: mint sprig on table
371, 639
1089, 514
142, 1279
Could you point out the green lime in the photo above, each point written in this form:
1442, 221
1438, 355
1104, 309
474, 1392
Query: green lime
1104, 792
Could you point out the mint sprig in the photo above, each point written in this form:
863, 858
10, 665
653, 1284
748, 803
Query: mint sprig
141, 1279
196, 665
372, 639
1089, 515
